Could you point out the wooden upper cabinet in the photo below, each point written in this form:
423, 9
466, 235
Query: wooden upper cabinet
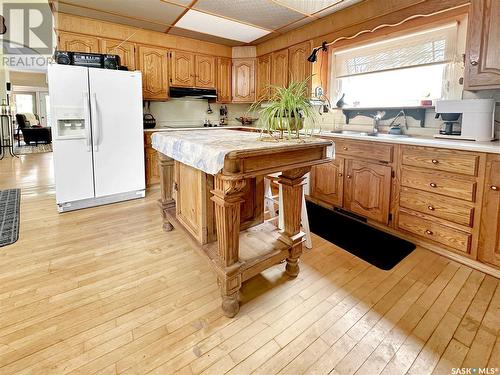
327, 182
243, 77
489, 239
125, 50
298, 66
223, 80
279, 68
153, 63
264, 76
77, 43
368, 189
182, 69
204, 71
482, 62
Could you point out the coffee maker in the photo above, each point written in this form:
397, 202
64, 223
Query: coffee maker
467, 119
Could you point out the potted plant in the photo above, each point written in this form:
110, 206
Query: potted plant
286, 110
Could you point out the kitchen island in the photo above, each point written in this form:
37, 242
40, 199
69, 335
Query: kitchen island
212, 188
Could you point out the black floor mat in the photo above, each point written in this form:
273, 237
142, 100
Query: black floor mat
372, 245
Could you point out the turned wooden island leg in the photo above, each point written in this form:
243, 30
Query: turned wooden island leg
227, 196
166, 202
292, 182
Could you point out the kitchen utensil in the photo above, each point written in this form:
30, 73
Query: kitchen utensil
209, 110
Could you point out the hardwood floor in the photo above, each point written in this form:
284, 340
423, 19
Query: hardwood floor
106, 291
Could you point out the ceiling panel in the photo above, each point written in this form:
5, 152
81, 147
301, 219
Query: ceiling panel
219, 26
308, 6
84, 12
206, 37
184, 3
263, 13
149, 10
337, 7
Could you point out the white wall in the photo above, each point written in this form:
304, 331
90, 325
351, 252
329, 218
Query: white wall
189, 112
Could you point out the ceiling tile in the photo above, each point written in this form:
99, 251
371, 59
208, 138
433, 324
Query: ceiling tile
221, 27
337, 7
148, 10
184, 3
98, 15
263, 13
200, 36
308, 6
297, 24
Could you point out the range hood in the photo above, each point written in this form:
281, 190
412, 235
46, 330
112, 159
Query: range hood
193, 93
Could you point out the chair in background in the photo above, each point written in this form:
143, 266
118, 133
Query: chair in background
270, 200
32, 131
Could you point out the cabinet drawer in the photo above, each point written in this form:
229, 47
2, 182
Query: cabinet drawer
441, 160
439, 182
365, 150
453, 238
450, 209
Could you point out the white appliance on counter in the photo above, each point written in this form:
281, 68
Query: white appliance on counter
97, 135
477, 119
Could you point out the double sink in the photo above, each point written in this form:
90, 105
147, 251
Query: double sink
366, 134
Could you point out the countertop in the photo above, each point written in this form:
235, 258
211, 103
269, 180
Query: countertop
489, 147
154, 130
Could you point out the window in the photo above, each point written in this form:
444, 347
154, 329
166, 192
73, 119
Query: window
400, 71
25, 102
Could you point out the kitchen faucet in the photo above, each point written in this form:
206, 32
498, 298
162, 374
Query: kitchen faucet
376, 120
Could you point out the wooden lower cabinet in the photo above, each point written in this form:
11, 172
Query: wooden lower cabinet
151, 161
489, 239
368, 189
355, 182
327, 182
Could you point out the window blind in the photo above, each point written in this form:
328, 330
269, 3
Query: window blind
432, 46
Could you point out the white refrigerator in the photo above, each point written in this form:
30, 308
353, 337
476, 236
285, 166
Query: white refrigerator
97, 135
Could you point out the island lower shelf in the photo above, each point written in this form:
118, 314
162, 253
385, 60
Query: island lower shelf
260, 248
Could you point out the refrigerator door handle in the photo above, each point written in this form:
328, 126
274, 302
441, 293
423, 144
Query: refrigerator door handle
87, 120
95, 122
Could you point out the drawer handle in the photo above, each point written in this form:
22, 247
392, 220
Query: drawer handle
431, 208
474, 62
345, 148
348, 176
432, 184
340, 174
493, 187
435, 161
429, 232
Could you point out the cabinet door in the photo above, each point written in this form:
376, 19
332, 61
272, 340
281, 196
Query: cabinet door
482, 65
78, 43
327, 182
205, 71
489, 239
264, 76
153, 63
368, 189
299, 67
182, 69
152, 170
125, 50
279, 68
243, 81
223, 80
